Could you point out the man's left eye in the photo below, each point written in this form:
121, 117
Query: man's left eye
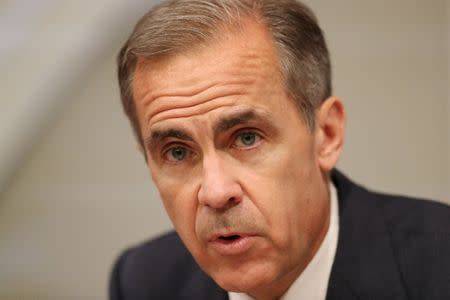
246, 139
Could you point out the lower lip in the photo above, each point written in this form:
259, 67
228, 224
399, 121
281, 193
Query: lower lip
232, 247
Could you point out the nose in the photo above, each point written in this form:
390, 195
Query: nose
219, 188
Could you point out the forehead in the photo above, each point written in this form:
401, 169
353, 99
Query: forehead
237, 60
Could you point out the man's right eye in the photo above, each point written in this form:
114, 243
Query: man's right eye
176, 154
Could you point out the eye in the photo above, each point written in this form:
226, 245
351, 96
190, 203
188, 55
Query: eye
176, 154
247, 139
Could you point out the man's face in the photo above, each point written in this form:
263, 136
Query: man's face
233, 160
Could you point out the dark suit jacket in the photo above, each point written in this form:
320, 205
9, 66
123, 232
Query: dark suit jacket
389, 247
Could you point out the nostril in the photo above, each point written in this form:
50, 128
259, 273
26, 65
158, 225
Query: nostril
219, 196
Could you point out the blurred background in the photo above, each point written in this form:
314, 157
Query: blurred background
74, 191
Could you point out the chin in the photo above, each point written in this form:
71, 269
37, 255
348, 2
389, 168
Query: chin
240, 284
244, 281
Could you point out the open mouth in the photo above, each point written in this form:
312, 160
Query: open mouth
228, 238
232, 243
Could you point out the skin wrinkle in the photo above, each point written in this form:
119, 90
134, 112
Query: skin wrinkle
179, 92
188, 91
232, 220
178, 100
243, 74
203, 105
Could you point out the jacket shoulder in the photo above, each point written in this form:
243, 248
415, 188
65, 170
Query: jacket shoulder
402, 214
160, 268
415, 216
420, 236
393, 246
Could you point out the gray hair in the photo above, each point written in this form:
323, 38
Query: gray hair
175, 26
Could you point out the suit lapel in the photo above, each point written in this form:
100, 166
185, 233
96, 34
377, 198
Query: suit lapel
365, 266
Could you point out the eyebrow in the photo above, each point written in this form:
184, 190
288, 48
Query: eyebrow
158, 136
239, 118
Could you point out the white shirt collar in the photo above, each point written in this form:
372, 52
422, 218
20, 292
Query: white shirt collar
313, 282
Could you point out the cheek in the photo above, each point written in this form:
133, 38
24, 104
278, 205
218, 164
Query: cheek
281, 188
180, 202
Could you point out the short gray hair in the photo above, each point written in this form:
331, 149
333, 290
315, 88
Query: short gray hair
175, 26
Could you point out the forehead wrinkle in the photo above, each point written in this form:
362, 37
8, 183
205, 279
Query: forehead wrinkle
189, 112
163, 97
187, 91
184, 105
180, 105
243, 65
242, 72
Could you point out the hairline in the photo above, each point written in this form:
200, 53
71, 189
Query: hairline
229, 27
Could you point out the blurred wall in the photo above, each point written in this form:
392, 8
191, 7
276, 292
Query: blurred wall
390, 69
83, 194
448, 91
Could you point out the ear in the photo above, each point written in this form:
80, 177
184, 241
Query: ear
330, 131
